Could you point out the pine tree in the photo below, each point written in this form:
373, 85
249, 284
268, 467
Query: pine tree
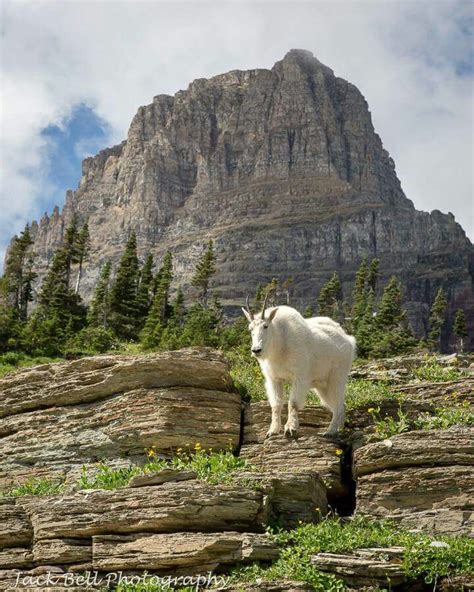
18, 276
205, 269
99, 308
373, 275
145, 289
460, 329
81, 251
359, 296
159, 311
437, 319
330, 298
124, 314
60, 312
391, 335
308, 312
390, 311
366, 334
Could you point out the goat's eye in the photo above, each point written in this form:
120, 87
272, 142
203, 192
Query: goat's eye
265, 326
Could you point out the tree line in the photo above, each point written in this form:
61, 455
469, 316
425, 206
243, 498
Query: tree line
135, 303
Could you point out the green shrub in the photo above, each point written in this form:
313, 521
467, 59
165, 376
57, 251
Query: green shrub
448, 556
93, 340
38, 486
431, 370
246, 374
362, 392
445, 417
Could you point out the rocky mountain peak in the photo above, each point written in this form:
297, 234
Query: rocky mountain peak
282, 167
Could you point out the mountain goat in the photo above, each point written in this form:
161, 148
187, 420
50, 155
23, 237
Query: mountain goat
310, 354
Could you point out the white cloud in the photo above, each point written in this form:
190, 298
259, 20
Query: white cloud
115, 56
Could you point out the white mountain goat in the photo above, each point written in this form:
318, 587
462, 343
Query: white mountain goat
310, 354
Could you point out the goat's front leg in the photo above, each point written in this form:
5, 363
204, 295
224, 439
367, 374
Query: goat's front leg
274, 390
296, 402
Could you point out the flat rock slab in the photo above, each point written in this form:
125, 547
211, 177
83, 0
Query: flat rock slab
180, 553
94, 378
309, 453
423, 479
291, 498
56, 441
62, 551
15, 526
16, 558
171, 507
160, 477
364, 567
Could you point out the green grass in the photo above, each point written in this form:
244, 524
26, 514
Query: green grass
421, 560
446, 417
39, 486
11, 361
431, 370
362, 392
212, 467
246, 374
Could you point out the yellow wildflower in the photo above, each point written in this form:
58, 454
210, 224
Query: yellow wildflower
370, 410
338, 451
197, 446
151, 452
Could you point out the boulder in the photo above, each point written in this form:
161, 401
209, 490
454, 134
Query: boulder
180, 553
423, 479
58, 417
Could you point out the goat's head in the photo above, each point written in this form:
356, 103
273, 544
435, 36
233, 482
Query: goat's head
260, 327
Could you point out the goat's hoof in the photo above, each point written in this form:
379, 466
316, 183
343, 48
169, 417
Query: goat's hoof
331, 436
291, 432
271, 433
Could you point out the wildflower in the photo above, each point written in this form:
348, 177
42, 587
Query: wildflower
338, 451
197, 446
371, 410
151, 453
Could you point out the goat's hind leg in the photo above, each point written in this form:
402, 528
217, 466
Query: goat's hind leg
295, 403
274, 391
334, 396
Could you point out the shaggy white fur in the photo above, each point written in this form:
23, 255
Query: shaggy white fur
309, 354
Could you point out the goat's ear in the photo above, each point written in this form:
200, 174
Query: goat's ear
247, 315
271, 316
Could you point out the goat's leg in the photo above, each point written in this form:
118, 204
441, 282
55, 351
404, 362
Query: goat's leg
296, 402
335, 393
274, 391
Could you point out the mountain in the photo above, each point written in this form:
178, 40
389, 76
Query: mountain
283, 169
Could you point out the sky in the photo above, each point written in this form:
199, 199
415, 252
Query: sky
74, 72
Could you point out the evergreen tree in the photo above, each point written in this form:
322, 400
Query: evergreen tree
18, 276
308, 312
460, 329
330, 298
124, 313
366, 334
159, 310
145, 288
437, 319
205, 269
80, 252
99, 308
391, 335
373, 275
60, 312
359, 296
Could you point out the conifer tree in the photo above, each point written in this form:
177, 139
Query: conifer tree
80, 252
159, 310
460, 329
359, 295
308, 312
99, 308
330, 298
205, 269
391, 333
373, 275
18, 275
124, 314
145, 288
437, 319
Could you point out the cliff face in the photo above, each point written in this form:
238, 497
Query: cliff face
283, 169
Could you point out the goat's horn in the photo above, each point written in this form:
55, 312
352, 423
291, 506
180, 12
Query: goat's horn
247, 303
265, 304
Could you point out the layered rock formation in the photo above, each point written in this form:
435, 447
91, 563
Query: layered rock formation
283, 169
58, 418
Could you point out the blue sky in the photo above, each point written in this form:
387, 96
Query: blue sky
80, 134
75, 72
